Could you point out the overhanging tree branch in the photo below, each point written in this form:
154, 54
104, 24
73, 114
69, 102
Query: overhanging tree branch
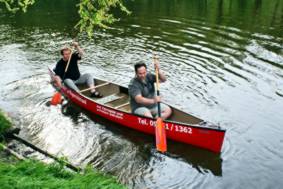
92, 12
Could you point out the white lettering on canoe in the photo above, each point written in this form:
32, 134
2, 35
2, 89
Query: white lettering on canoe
76, 97
142, 121
168, 126
110, 112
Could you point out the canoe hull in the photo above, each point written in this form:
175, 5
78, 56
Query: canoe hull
204, 137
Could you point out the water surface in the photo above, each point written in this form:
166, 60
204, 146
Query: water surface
224, 62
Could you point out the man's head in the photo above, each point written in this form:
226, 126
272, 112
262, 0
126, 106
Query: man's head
140, 69
65, 52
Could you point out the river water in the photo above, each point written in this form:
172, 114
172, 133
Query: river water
224, 62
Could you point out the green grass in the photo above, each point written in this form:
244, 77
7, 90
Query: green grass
30, 174
4, 124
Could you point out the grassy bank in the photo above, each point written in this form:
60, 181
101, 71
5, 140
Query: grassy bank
4, 124
32, 174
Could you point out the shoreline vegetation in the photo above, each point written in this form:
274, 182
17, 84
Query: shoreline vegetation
92, 13
5, 124
28, 173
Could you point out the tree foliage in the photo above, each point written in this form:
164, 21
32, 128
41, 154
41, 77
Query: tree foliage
97, 12
14, 6
92, 12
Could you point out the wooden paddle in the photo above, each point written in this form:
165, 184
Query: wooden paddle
160, 133
57, 97
66, 69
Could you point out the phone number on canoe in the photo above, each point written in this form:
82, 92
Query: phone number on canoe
179, 128
168, 126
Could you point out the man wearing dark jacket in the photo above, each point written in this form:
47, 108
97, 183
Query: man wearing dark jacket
72, 76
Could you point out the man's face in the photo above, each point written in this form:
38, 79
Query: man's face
141, 73
66, 54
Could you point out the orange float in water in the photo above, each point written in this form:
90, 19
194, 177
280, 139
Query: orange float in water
56, 99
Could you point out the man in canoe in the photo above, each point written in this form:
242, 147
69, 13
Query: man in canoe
72, 75
142, 93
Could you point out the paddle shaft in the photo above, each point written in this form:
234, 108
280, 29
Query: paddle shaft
158, 103
67, 66
157, 88
160, 133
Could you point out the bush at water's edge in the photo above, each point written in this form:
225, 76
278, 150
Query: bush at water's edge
4, 124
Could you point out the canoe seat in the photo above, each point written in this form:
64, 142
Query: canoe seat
117, 98
122, 105
106, 100
95, 87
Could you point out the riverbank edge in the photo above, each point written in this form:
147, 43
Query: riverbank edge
5, 124
30, 173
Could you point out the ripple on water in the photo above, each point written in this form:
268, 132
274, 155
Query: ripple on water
224, 73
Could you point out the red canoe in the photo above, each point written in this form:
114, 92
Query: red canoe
114, 106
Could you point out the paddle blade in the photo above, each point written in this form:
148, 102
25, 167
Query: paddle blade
56, 99
160, 136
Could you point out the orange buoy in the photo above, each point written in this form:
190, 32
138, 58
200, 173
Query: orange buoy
56, 99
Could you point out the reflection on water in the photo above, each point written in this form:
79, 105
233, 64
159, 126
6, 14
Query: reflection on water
224, 63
